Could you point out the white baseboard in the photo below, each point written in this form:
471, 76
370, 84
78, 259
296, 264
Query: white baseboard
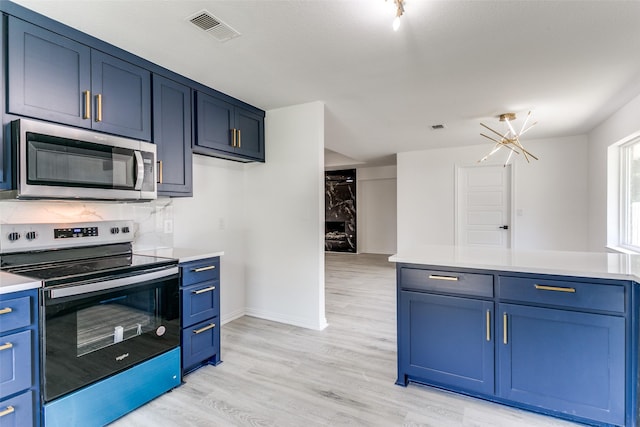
228, 317
289, 320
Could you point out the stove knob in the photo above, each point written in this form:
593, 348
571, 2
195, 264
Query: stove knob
115, 230
125, 229
13, 236
31, 235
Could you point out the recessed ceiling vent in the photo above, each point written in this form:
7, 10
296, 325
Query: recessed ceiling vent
214, 26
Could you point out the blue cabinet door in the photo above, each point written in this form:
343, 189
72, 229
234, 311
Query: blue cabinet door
172, 136
250, 136
48, 75
447, 341
15, 363
121, 97
19, 411
200, 302
565, 361
214, 123
201, 344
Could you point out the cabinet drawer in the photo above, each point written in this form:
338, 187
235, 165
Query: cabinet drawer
18, 411
200, 342
200, 271
15, 313
200, 302
446, 281
15, 363
563, 293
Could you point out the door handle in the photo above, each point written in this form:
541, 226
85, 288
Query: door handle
504, 227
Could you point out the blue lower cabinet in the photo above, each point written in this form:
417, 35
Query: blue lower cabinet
201, 344
15, 362
200, 302
446, 340
18, 411
565, 361
109, 399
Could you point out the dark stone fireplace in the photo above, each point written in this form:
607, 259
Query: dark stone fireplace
340, 211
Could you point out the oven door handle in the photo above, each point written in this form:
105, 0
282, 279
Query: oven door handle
111, 283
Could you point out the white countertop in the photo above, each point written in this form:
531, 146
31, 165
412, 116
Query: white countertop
14, 283
181, 254
583, 264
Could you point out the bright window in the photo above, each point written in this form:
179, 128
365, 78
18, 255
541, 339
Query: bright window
630, 195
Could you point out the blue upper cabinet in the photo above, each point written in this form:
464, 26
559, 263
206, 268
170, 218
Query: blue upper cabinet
121, 96
52, 77
225, 129
172, 136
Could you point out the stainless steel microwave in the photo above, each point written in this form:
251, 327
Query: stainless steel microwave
59, 162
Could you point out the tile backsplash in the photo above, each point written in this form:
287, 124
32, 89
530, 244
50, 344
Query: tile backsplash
154, 220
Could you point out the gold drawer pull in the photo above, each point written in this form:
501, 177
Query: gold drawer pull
436, 277
99, 107
6, 310
505, 328
9, 410
198, 270
202, 291
6, 346
554, 288
488, 325
206, 328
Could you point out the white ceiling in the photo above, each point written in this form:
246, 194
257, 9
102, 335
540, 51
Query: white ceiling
452, 62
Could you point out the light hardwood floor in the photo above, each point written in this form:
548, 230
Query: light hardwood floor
280, 375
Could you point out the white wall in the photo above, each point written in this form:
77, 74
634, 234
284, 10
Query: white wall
212, 220
551, 193
376, 209
284, 213
620, 126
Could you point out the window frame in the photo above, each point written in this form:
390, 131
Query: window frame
624, 206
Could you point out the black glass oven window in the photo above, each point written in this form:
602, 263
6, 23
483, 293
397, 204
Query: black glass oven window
91, 336
71, 163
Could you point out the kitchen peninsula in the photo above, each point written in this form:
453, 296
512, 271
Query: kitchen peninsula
548, 331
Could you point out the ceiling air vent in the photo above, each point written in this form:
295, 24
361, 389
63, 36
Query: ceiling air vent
437, 127
212, 25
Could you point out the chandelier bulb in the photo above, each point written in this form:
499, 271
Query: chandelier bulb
396, 23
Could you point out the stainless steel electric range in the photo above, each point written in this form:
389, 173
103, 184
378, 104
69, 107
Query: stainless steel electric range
103, 311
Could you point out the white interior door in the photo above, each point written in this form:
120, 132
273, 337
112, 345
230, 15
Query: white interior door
484, 206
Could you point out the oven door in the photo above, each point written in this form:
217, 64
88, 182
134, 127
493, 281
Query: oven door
94, 329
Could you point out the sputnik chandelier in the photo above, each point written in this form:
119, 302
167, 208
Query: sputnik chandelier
399, 11
510, 139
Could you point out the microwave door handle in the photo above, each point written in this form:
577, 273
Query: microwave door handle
139, 165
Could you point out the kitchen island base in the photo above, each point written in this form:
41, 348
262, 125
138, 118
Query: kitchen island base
558, 345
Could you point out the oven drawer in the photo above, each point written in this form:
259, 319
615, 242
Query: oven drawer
200, 271
15, 313
18, 411
200, 343
200, 302
586, 295
15, 363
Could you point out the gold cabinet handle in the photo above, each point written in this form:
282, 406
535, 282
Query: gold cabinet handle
505, 328
206, 328
198, 270
87, 104
437, 277
202, 291
488, 325
6, 346
159, 171
9, 410
99, 107
6, 310
554, 288
239, 139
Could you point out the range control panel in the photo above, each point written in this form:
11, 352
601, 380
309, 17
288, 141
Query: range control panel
30, 237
